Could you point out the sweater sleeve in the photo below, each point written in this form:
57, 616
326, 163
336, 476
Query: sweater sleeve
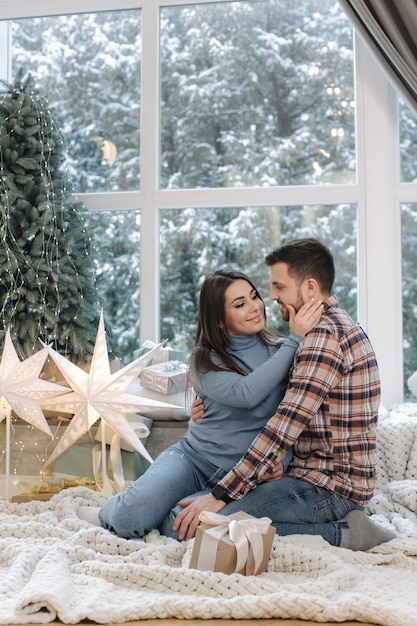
248, 391
319, 367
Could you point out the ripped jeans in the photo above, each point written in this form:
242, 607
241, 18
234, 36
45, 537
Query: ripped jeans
294, 506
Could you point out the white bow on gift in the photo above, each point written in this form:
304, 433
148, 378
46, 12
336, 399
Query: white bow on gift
245, 534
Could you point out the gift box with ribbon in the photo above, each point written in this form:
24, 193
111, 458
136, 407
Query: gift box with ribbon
84, 462
123, 464
167, 378
166, 353
235, 543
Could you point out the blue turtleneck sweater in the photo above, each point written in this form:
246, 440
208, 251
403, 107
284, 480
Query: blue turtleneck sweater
237, 407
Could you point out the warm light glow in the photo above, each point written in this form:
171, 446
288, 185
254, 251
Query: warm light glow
13, 273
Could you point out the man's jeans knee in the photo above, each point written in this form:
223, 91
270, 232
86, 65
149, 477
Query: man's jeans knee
296, 507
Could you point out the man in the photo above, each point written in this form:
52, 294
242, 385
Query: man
328, 416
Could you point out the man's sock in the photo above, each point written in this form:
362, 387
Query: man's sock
362, 532
89, 514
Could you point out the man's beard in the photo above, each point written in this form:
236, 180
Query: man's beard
285, 314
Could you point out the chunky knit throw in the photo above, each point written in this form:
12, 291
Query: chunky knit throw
55, 566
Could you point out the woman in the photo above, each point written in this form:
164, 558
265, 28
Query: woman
240, 370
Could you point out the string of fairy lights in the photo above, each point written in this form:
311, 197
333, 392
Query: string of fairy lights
44, 273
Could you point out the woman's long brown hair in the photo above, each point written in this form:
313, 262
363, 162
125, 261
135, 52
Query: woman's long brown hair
211, 331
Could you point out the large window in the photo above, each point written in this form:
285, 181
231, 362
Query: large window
88, 66
195, 242
201, 135
256, 93
408, 160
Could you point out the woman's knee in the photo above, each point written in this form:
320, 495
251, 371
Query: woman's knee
119, 518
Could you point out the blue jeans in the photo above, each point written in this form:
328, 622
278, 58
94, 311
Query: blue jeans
175, 474
295, 507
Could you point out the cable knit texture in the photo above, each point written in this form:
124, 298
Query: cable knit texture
55, 566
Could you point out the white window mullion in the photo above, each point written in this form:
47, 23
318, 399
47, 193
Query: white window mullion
30, 8
149, 253
5, 57
257, 196
379, 245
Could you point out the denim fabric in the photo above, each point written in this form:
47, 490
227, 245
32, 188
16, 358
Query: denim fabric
297, 507
176, 473
293, 505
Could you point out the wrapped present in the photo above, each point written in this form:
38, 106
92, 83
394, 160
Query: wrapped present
28, 449
85, 462
167, 378
122, 463
45, 491
234, 543
174, 407
166, 353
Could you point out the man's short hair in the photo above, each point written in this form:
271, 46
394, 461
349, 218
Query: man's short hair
306, 258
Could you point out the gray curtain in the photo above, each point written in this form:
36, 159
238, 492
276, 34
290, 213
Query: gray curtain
389, 29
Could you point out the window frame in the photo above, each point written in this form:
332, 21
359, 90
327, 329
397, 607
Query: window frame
377, 193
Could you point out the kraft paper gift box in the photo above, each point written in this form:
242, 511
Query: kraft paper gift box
167, 378
235, 543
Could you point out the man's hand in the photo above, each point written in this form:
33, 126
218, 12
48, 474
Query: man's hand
197, 410
275, 474
188, 519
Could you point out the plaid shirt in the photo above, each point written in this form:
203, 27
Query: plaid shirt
328, 415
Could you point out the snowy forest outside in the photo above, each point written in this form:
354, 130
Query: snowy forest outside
252, 94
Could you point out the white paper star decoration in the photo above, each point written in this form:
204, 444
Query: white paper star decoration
21, 389
100, 394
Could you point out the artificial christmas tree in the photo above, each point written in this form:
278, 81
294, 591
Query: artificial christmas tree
47, 278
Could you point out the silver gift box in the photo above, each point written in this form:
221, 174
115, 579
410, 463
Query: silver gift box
169, 377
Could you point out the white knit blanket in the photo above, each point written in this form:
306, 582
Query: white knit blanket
55, 566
